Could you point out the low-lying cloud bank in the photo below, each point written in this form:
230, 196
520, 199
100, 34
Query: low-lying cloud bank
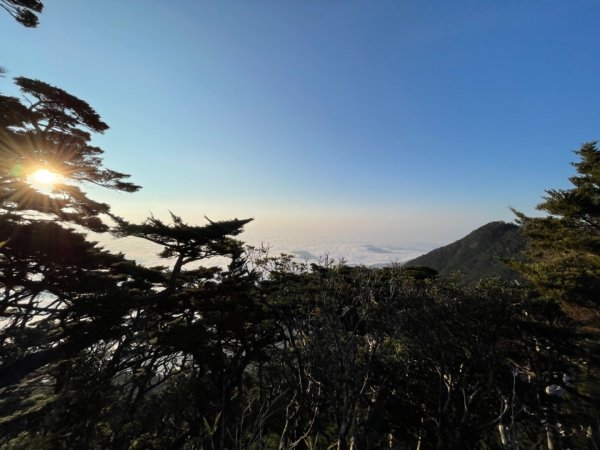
311, 250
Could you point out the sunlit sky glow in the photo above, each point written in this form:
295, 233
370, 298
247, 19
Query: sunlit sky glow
383, 122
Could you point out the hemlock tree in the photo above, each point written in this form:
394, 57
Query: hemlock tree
564, 246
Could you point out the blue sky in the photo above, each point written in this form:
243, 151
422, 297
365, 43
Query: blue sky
386, 121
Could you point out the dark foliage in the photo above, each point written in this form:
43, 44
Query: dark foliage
24, 11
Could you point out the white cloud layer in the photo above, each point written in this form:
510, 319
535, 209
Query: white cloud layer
354, 252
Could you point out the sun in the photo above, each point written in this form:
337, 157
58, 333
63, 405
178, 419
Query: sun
44, 176
43, 179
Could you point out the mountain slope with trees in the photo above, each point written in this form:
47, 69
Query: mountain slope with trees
482, 253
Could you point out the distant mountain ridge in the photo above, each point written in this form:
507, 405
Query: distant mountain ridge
478, 255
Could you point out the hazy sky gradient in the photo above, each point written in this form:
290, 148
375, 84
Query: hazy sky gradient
381, 121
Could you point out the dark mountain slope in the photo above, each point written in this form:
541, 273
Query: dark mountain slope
478, 255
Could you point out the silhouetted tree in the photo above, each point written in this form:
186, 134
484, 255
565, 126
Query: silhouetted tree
24, 11
83, 329
45, 263
564, 246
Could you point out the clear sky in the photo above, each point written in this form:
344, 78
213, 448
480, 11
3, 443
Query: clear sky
383, 121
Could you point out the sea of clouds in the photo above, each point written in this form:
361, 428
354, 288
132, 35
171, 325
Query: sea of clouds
309, 249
